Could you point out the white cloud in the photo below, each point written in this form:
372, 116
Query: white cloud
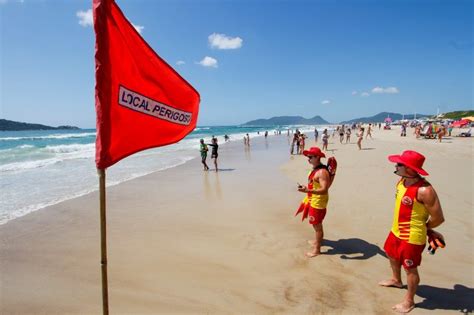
388, 90
139, 28
222, 41
364, 94
354, 92
180, 62
208, 62
85, 18
325, 102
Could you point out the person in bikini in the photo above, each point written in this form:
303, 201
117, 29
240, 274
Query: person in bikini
417, 212
325, 138
369, 132
315, 203
360, 137
348, 135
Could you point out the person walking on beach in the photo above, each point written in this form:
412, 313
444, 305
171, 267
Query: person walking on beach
325, 139
203, 149
317, 196
302, 144
369, 132
417, 212
441, 133
214, 152
248, 140
341, 134
296, 141
404, 130
418, 131
316, 134
348, 135
360, 136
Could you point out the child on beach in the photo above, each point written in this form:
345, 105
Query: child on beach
203, 149
315, 203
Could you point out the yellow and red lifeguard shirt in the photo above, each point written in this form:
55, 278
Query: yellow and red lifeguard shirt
314, 201
410, 216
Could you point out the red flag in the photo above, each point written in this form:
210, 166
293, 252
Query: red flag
141, 102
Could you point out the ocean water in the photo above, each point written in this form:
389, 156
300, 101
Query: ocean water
42, 168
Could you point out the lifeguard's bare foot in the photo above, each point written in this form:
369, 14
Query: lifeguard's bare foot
404, 307
391, 283
313, 254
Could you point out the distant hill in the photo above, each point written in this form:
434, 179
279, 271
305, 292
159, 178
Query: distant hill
287, 120
380, 117
10, 125
458, 114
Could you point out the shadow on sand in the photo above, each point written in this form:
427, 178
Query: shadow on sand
460, 298
223, 170
368, 149
352, 246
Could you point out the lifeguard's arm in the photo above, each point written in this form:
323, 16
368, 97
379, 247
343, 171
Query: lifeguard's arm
324, 181
331, 179
427, 195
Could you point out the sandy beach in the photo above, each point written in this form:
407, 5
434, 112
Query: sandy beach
184, 241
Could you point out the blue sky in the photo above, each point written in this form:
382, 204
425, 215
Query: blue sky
336, 59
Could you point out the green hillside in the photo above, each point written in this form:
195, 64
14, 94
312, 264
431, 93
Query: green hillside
458, 114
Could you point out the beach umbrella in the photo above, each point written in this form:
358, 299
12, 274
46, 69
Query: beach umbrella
461, 123
141, 102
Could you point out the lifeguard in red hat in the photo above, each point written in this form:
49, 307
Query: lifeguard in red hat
315, 203
417, 211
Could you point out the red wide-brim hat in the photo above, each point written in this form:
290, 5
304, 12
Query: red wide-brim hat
314, 151
410, 159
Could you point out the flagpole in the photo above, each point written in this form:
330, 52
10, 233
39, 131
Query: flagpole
103, 243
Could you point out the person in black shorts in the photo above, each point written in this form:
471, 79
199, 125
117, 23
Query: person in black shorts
214, 151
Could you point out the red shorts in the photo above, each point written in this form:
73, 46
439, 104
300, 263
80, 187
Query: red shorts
409, 255
316, 216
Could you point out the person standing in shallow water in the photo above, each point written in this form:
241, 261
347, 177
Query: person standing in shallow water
214, 152
203, 149
417, 212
